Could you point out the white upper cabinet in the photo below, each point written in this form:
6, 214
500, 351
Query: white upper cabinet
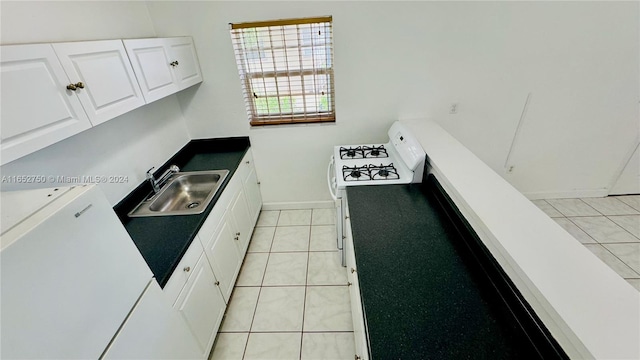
185, 60
164, 65
53, 91
109, 86
151, 63
37, 108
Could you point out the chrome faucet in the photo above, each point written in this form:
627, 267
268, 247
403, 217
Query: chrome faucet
156, 184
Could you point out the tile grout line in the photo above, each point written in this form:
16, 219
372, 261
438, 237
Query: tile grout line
255, 310
607, 217
614, 255
583, 230
306, 283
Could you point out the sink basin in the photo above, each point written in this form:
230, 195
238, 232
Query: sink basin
185, 193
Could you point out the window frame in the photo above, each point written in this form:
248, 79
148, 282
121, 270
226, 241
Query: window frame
326, 72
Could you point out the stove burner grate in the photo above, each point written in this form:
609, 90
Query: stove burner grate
351, 153
370, 172
375, 152
383, 172
355, 173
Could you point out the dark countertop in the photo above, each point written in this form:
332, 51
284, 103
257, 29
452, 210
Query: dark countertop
422, 297
163, 240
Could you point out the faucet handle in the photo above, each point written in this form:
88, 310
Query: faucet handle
149, 174
174, 168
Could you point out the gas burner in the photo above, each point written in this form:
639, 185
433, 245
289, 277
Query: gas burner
383, 172
355, 173
351, 153
375, 152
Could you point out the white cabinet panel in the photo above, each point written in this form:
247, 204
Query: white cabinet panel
183, 51
223, 256
37, 109
110, 86
70, 274
241, 218
181, 274
154, 330
357, 312
254, 197
202, 305
151, 63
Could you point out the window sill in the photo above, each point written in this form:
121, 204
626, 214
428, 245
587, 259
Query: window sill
331, 119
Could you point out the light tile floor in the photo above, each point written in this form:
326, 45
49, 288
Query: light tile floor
609, 227
291, 299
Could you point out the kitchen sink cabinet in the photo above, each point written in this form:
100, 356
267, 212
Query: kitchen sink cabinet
205, 288
202, 305
223, 255
163, 66
35, 70
110, 87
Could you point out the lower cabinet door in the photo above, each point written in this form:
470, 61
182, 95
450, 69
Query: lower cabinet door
202, 306
223, 255
254, 198
153, 331
242, 219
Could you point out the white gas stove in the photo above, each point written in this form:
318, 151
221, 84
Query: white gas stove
400, 161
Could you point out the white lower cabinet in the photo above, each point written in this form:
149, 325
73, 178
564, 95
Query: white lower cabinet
201, 304
223, 256
359, 333
239, 212
153, 330
220, 245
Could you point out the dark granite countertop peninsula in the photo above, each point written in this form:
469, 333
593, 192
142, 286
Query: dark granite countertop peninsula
163, 240
423, 294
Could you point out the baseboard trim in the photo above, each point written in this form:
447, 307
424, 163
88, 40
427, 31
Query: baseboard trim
565, 194
327, 204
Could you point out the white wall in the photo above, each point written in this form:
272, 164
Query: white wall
127, 145
628, 181
405, 59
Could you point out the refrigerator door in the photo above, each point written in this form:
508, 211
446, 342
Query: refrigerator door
70, 275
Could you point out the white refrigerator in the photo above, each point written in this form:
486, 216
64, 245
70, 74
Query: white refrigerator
72, 280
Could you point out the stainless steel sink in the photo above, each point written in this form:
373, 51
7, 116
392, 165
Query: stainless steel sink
185, 193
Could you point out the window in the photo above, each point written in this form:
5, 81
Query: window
286, 69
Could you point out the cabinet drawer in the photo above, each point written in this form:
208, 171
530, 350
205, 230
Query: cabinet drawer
183, 270
215, 216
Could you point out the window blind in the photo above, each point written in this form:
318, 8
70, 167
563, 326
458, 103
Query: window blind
286, 69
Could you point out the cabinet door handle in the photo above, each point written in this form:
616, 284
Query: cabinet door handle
237, 234
187, 269
174, 63
353, 270
78, 85
247, 162
236, 238
217, 283
349, 284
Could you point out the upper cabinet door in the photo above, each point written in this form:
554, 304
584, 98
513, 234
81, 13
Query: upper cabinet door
110, 86
152, 65
37, 108
185, 61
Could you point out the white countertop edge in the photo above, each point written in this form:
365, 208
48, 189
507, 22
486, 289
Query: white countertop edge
589, 309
